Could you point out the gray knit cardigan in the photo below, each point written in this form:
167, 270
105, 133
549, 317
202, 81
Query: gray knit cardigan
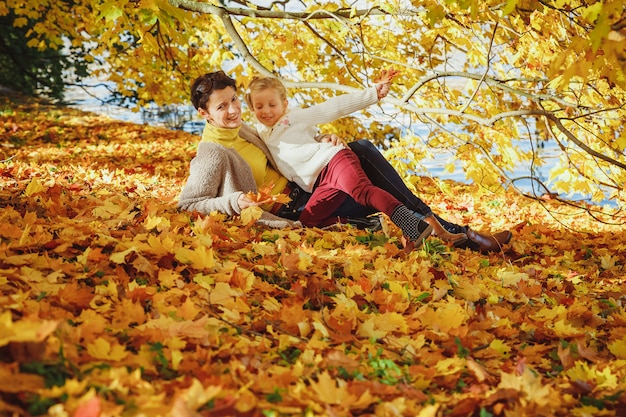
219, 175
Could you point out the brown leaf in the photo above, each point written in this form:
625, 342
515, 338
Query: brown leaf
75, 296
14, 382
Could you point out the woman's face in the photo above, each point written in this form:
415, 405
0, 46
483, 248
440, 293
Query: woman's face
223, 109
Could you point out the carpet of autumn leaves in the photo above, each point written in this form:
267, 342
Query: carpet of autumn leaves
114, 303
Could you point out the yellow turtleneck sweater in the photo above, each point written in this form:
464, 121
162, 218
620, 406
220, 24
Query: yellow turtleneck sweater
264, 174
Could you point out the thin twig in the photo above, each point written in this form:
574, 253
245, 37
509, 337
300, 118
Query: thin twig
484, 76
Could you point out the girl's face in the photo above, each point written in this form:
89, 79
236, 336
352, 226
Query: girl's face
268, 106
223, 109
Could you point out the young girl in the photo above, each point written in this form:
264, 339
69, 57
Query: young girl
330, 171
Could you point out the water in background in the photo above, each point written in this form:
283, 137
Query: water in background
433, 167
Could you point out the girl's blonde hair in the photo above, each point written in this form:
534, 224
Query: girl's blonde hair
263, 83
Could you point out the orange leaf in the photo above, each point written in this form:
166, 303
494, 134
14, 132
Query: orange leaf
264, 195
387, 75
74, 295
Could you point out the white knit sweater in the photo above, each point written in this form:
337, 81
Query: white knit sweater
291, 141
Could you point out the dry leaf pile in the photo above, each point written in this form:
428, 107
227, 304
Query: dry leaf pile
114, 303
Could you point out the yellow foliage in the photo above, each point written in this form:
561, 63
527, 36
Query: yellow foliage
105, 283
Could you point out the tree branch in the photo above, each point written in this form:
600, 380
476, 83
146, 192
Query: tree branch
241, 45
226, 13
502, 84
559, 125
195, 6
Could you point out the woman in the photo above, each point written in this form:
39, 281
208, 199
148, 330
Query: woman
232, 160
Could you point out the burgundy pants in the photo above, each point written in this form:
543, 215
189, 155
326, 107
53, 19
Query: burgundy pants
342, 177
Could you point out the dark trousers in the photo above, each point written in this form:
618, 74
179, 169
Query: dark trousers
383, 175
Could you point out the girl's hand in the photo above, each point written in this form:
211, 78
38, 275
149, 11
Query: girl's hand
382, 89
384, 82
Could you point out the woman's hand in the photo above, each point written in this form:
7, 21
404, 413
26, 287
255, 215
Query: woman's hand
331, 138
244, 202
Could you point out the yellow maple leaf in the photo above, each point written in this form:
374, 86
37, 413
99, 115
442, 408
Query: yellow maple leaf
330, 390
607, 261
120, 257
470, 291
251, 214
528, 383
169, 279
618, 348
430, 410
161, 245
200, 257
379, 325
34, 187
449, 315
197, 395
158, 222
188, 310
450, 366
11, 230
223, 293
387, 75
582, 372
103, 349
500, 347
25, 330
108, 210
25, 259
564, 329
511, 278
264, 195
558, 312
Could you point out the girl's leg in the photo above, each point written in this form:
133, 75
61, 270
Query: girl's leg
383, 175
350, 208
344, 173
320, 209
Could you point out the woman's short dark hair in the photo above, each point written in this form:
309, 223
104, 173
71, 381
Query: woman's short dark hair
203, 86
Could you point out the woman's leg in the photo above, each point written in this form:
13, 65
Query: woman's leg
383, 175
344, 176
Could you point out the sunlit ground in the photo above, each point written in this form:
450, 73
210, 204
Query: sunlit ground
113, 299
